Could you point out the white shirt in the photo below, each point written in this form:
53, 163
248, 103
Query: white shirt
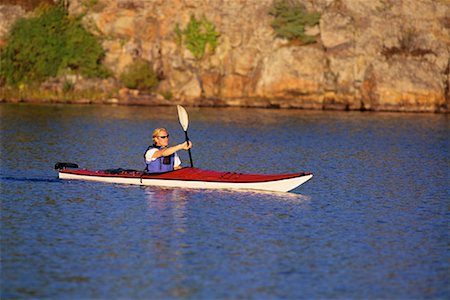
151, 151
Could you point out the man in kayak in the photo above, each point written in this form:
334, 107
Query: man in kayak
159, 157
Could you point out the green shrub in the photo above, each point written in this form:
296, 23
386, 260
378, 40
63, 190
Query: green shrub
140, 75
197, 36
290, 20
48, 45
68, 86
168, 95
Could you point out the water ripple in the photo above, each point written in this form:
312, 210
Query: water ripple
372, 223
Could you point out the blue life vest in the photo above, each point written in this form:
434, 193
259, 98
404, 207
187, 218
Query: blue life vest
161, 164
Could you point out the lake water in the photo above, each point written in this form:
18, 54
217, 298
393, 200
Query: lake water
373, 223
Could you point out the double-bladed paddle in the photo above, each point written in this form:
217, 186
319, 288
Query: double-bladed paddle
184, 121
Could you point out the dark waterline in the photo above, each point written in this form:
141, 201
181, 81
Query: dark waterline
372, 223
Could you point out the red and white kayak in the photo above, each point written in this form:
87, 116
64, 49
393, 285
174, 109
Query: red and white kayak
189, 178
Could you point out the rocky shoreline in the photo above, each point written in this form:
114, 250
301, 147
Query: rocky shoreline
158, 100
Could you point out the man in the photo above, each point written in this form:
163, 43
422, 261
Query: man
159, 157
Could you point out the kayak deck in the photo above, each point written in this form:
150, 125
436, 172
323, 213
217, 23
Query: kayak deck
193, 178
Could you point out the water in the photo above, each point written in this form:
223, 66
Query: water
372, 223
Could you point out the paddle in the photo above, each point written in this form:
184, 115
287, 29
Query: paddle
184, 121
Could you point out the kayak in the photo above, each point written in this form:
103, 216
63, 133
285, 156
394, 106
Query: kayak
188, 178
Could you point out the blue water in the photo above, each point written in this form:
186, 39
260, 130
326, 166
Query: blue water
371, 224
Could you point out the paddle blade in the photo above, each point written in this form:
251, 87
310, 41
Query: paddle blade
183, 117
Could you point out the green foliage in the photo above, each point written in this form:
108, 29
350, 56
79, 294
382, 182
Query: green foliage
68, 86
197, 36
140, 75
168, 95
290, 21
48, 45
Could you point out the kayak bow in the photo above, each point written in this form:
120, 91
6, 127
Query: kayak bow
189, 178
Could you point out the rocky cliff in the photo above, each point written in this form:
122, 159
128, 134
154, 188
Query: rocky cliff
382, 55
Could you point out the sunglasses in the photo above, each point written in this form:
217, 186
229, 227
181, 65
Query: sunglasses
164, 137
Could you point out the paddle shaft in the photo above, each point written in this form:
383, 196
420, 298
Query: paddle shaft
189, 150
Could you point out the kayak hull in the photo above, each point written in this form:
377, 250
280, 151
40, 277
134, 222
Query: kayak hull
193, 178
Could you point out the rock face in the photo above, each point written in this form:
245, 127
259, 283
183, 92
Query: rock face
8, 15
382, 55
